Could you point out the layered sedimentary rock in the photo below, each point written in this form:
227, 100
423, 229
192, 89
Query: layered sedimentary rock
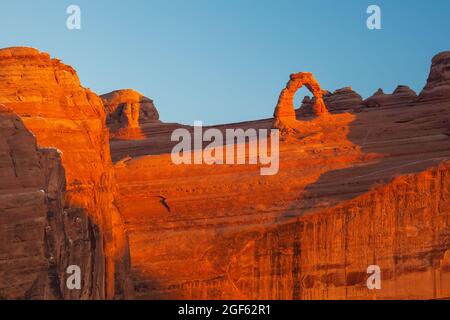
32, 188
402, 96
285, 116
402, 227
438, 83
376, 100
306, 107
345, 99
40, 237
308, 232
341, 100
238, 229
62, 114
126, 110
353, 190
171, 223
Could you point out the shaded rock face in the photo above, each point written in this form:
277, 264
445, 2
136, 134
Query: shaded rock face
47, 95
40, 237
309, 232
401, 227
438, 83
31, 190
125, 110
285, 116
178, 213
32, 222
341, 100
347, 100
353, 190
402, 95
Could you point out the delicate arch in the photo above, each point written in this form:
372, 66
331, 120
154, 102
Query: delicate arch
285, 111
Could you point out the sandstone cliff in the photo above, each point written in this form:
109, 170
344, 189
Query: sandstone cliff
354, 189
47, 95
402, 227
360, 186
40, 236
32, 189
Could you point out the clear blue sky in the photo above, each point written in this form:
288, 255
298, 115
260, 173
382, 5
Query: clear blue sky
227, 60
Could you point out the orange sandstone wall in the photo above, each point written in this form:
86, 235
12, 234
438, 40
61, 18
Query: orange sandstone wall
403, 227
62, 114
247, 250
309, 232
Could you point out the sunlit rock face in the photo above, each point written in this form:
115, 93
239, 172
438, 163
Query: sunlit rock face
285, 116
359, 187
438, 83
47, 95
401, 227
126, 110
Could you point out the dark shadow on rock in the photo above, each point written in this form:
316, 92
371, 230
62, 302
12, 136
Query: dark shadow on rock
396, 141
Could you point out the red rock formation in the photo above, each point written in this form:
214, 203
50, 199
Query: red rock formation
341, 100
31, 203
209, 202
402, 96
352, 190
402, 227
126, 110
284, 114
40, 237
438, 84
48, 96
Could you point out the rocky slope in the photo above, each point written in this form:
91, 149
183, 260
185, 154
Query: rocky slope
353, 190
47, 95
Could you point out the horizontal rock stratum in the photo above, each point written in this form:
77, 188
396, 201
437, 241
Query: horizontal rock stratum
354, 189
360, 183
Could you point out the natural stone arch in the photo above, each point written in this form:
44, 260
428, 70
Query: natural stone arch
285, 112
